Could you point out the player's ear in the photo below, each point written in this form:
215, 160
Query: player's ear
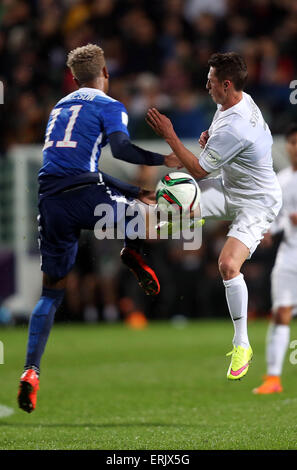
226, 84
105, 72
76, 81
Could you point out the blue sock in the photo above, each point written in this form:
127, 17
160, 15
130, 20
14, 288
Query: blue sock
41, 321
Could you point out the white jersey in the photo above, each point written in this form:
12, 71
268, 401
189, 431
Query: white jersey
284, 273
240, 145
287, 252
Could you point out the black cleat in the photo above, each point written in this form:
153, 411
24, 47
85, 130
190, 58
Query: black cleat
145, 275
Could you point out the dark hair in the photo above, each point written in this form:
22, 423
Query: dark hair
292, 129
230, 66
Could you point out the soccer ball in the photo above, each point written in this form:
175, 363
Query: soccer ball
177, 192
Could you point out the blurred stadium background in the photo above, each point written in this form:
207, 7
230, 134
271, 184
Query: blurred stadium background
157, 53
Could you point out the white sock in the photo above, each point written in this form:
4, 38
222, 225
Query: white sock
276, 347
237, 300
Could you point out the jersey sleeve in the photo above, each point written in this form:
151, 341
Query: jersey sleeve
279, 222
223, 145
115, 118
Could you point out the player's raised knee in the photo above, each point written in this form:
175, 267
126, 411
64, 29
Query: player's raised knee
228, 267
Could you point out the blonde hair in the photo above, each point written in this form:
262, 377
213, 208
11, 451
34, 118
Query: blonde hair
86, 62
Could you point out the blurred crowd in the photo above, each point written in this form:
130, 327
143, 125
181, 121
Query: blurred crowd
157, 53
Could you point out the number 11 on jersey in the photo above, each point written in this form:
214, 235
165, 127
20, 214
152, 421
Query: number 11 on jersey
66, 142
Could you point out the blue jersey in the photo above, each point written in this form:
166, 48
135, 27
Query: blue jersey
77, 129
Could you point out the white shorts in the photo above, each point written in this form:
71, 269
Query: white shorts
284, 278
249, 223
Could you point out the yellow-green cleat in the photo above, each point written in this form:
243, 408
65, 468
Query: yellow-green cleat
240, 360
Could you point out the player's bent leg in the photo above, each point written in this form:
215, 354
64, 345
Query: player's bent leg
132, 255
130, 216
233, 254
41, 321
146, 276
283, 315
232, 257
277, 343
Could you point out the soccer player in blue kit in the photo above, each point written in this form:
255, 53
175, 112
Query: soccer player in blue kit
71, 186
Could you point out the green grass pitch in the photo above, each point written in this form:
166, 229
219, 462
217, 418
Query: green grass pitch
109, 387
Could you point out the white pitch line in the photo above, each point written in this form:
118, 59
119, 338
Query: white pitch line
5, 411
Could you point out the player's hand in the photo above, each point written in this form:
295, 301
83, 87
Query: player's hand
159, 123
293, 218
203, 139
172, 161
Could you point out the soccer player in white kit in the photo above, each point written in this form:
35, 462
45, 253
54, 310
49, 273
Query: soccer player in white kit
247, 192
284, 273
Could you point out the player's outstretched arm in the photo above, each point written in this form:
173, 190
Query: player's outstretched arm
123, 149
163, 127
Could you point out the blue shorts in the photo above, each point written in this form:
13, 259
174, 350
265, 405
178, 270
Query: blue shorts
61, 218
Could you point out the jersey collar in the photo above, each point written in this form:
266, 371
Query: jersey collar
93, 90
237, 107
